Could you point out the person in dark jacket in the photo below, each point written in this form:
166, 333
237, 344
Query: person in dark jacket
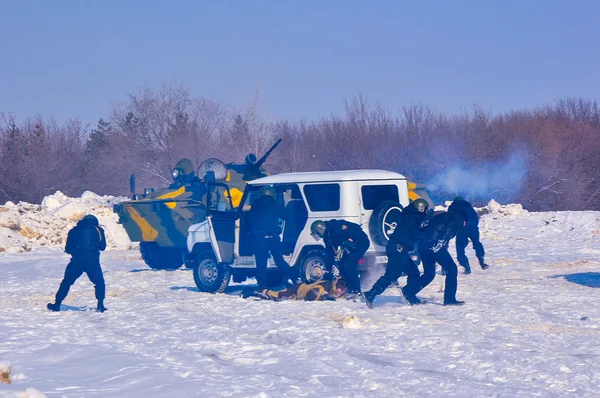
401, 242
470, 231
433, 248
84, 243
263, 219
349, 242
322, 290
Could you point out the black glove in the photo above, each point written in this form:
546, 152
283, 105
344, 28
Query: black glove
327, 297
348, 246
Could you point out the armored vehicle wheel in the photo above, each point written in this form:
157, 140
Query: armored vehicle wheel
158, 257
209, 275
384, 220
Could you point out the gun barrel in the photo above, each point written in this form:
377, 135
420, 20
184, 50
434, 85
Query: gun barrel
266, 155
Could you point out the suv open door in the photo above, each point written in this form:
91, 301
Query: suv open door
221, 216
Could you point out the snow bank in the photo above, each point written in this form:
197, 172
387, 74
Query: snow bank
31, 393
25, 226
493, 207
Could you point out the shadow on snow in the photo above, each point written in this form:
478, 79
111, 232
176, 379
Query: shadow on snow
590, 279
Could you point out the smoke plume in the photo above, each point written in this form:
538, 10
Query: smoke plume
482, 182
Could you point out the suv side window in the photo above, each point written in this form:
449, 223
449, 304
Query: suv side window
323, 197
372, 195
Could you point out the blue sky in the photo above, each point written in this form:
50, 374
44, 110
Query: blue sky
78, 58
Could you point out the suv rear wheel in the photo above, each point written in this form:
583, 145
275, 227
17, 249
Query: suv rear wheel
209, 275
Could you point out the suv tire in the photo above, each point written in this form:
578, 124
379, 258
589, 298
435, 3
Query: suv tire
384, 220
209, 275
312, 267
158, 257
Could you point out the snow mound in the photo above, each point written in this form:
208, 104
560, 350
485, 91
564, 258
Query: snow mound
493, 207
351, 322
31, 393
512, 209
25, 226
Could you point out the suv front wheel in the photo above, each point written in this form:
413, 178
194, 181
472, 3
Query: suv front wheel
209, 275
312, 268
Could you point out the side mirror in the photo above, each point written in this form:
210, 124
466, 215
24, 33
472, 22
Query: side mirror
210, 177
132, 186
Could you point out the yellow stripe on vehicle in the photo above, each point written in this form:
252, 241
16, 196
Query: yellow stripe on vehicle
149, 234
172, 195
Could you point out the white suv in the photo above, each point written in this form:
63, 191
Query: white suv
221, 247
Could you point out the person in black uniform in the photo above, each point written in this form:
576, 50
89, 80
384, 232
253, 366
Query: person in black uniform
352, 241
84, 243
402, 240
433, 248
263, 219
470, 231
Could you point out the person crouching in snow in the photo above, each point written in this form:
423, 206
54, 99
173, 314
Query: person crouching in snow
322, 290
470, 231
347, 242
84, 243
433, 248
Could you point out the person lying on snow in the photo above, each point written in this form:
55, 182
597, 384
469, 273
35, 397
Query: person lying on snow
322, 290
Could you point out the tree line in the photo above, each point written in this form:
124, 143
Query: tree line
547, 158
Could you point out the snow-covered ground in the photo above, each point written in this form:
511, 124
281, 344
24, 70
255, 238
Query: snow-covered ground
531, 327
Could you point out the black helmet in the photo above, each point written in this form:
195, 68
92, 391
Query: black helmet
183, 168
90, 218
267, 190
421, 205
317, 229
459, 198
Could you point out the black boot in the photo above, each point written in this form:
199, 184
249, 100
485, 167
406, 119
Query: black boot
453, 302
465, 264
101, 307
53, 307
411, 298
369, 297
482, 263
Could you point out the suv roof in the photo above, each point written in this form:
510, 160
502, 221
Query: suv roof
325, 176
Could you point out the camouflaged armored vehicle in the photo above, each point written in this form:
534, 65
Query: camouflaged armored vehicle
159, 218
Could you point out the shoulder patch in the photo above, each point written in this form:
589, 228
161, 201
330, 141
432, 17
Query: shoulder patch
344, 227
